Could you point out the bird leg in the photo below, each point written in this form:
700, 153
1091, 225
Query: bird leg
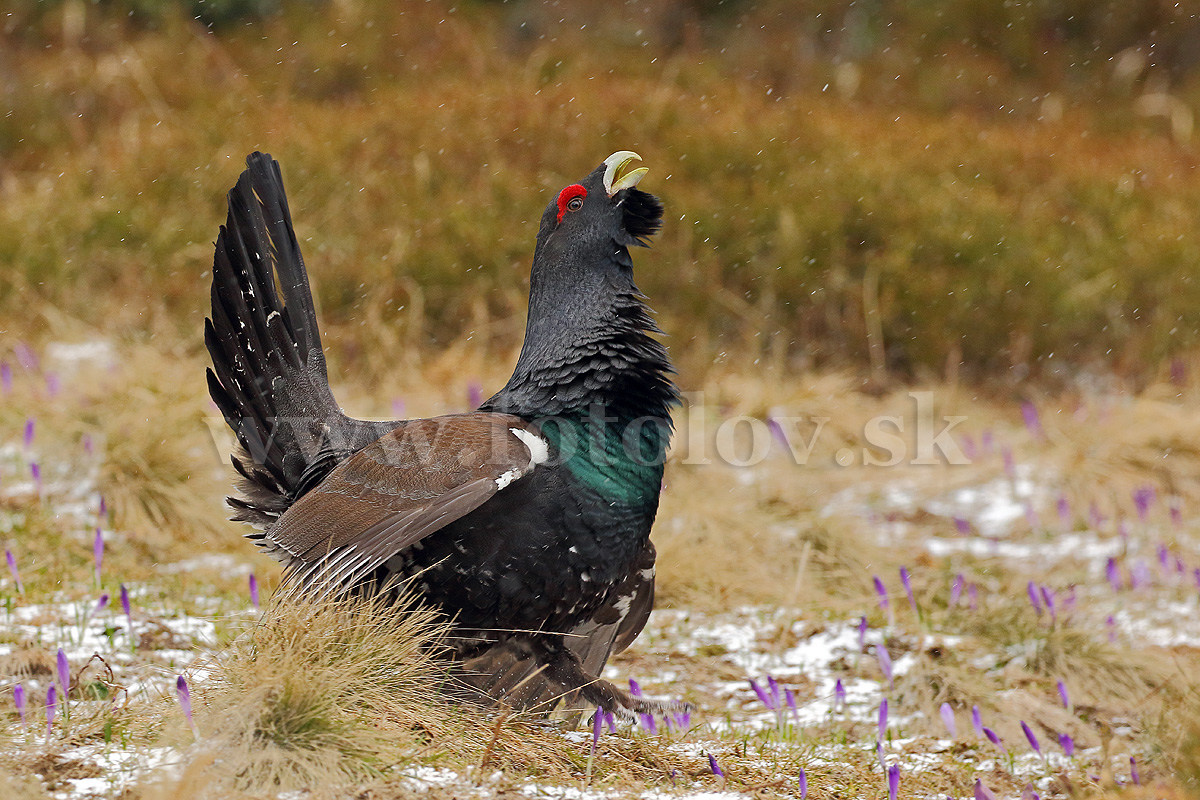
563, 668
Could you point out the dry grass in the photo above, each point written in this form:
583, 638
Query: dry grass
322, 696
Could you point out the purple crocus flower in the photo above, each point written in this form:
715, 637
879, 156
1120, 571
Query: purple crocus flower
862, 633
102, 603
474, 395
6, 377
1028, 793
127, 609
53, 384
1031, 517
1133, 772
948, 720
1176, 510
25, 356
1048, 600
1112, 627
839, 696
1033, 425
976, 720
1143, 498
19, 702
962, 526
1062, 695
649, 724
1033, 740
714, 766
1164, 558
1067, 744
12, 570
893, 781
883, 719
1064, 511
185, 702
882, 593
968, 447
682, 720
790, 698
885, 662
98, 553
1034, 598
254, 591
994, 738
773, 690
30, 428
1113, 573
634, 688
956, 589
973, 596
35, 472
597, 726
102, 511
1139, 575
51, 707
803, 785
64, 674
763, 697
611, 724
904, 579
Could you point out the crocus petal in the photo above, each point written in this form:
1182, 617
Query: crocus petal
1033, 740
948, 719
64, 673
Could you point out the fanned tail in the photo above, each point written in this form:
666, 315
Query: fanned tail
269, 377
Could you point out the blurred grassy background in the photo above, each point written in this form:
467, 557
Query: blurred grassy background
913, 190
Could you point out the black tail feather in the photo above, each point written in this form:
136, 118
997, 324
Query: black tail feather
269, 377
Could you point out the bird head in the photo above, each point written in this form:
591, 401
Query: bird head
604, 208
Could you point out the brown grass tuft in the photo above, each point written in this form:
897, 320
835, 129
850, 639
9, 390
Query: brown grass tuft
320, 695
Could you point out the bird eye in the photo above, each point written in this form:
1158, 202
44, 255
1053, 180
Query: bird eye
575, 204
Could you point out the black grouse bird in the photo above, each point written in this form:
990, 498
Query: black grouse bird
527, 521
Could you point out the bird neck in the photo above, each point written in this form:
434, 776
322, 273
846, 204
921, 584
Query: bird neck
593, 363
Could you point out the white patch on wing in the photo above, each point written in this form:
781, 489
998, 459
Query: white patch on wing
539, 448
507, 478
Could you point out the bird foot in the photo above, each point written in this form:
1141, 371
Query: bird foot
657, 708
628, 707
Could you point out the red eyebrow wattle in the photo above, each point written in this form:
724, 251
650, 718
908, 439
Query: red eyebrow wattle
567, 195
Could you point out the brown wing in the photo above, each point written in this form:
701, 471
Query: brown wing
391, 494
